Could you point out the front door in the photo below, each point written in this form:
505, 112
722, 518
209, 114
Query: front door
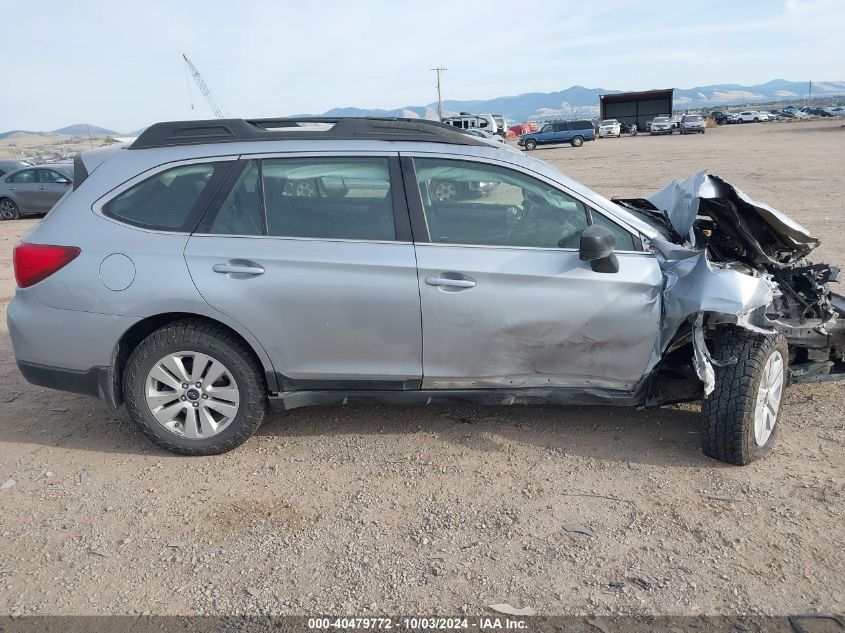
314, 256
506, 301
50, 191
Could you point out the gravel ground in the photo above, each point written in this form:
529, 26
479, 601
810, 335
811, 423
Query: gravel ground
384, 509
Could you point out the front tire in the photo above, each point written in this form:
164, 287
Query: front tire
9, 210
740, 416
530, 145
194, 388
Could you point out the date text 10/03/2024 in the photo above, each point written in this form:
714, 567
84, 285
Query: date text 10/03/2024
417, 623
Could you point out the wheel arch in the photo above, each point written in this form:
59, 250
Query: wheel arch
132, 337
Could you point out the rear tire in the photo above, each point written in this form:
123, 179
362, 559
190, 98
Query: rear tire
242, 375
9, 210
577, 141
740, 416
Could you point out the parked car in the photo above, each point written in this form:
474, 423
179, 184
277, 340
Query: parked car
610, 127
721, 118
837, 111
572, 132
816, 112
660, 125
748, 116
199, 275
495, 138
33, 189
8, 166
692, 124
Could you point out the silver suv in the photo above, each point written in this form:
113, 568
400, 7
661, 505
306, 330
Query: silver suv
214, 267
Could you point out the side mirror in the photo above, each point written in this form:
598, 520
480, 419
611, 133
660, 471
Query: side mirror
597, 244
62, 181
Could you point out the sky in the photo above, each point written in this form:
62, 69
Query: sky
119, 64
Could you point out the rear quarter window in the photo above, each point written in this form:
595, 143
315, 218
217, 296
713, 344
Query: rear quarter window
171, 200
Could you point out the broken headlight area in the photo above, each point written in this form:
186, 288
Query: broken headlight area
728, 259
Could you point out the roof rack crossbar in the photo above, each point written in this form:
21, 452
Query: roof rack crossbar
176, 133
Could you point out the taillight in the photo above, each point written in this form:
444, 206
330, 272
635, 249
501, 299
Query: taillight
36, 262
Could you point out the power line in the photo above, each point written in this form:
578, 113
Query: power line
439, 70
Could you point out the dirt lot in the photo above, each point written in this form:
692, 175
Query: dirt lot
382, 509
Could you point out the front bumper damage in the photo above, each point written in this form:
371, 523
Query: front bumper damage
731, 260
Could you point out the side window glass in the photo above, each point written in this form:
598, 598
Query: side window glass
164, 201
467, 202
24, 177
49, 176
329, 198
240, 213
625, 240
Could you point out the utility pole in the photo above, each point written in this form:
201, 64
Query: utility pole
439, 70
810, 95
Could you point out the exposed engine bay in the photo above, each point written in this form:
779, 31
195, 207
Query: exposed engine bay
729, 259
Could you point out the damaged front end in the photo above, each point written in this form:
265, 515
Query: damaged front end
727, 259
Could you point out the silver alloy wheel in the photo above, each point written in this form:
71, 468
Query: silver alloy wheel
192, 395
445, 191
305, 190
7, 210
769, 395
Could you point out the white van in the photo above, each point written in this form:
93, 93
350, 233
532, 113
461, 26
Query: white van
467, 121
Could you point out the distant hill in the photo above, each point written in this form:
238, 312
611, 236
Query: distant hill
83, 129
15, 133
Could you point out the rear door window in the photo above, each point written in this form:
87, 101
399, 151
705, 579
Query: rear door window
241, 212
329, 198
22, 177
171, 200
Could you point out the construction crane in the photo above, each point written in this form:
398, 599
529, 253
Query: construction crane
204, 89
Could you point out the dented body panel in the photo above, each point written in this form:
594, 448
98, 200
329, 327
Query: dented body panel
538, 318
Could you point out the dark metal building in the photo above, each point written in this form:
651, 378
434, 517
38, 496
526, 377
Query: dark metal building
628, 107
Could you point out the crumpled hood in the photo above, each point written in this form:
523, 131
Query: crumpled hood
771, 236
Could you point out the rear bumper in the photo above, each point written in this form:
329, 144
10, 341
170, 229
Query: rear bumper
68, 350
97, 381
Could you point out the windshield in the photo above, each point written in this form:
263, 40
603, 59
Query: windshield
694, 118
609, 122
661, 119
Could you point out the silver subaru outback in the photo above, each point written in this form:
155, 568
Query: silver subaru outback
212, 268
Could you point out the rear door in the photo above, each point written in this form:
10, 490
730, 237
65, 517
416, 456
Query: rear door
506, 301
24, 188
563, 132
313, 254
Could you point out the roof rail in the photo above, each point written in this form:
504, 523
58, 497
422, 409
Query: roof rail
177, 133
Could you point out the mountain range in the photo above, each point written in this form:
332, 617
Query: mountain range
77, 129
578, 99
540, 105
